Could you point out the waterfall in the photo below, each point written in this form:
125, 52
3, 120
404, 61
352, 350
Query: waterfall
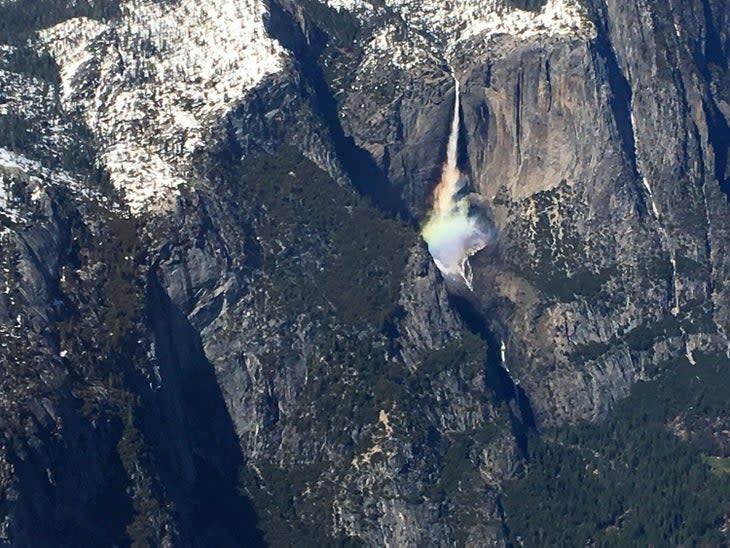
455, 228
452, 150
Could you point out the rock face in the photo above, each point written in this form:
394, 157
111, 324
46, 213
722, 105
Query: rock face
218, 323
608, 274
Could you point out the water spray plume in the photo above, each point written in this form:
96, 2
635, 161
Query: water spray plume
452, 231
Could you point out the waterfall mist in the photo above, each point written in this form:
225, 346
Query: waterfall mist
456, 227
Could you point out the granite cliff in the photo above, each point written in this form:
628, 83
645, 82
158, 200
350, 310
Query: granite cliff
219, 323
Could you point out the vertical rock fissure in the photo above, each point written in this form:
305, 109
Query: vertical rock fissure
365, 175
505, 390
622, 106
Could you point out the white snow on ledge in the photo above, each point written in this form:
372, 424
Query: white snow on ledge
151, 84
349, 5
13, 162
457, 21
14, 165
557, 17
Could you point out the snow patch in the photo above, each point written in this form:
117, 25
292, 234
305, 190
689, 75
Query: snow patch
14, 167
11, 160
459, 23
557, 17
152, 84
350, 5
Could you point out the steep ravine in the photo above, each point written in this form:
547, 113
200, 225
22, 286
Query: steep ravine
268, 354
288, 24
502, 386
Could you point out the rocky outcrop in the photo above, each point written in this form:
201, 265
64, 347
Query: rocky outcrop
267, 353
589, 256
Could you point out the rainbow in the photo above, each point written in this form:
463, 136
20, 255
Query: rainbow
452, 231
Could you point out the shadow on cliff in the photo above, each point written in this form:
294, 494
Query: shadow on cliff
358, 164
621, 94
220, 514
713, 62
497, 378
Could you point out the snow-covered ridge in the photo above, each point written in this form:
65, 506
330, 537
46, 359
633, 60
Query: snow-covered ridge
14, 166
557, 17
151, 84
350, 5
457, 22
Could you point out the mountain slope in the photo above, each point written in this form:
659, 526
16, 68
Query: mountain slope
219, 323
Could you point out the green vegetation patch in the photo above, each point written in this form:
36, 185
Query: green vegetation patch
554, 261
324, 246
27, 60
469, 348
289, 516
328, 256
342, 47
720, 466
104, 301
341, 24
629, 481
118, 297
